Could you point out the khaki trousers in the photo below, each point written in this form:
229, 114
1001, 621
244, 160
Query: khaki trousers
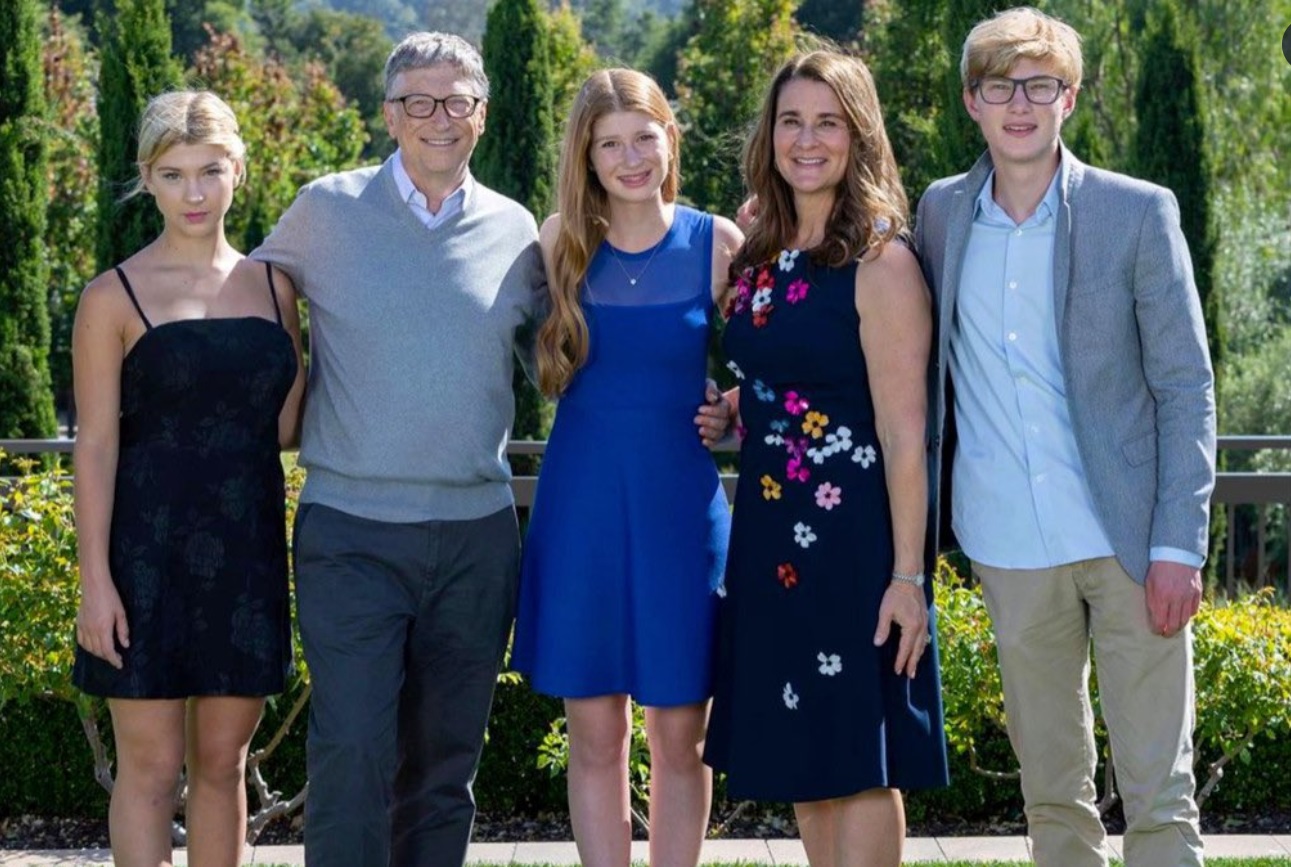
1044, 620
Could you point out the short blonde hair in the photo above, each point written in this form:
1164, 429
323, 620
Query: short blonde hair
996, 44
190, 117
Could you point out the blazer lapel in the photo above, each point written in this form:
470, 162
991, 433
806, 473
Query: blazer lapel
1062, 238
959, 227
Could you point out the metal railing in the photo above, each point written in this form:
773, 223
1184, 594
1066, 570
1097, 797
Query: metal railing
1263, 491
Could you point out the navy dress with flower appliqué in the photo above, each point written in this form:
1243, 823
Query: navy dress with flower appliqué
197, 544
626, 546
805, 707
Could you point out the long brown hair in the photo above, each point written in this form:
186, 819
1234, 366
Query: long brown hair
870, 207
584, 213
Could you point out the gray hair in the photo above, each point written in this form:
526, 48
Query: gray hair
424, 49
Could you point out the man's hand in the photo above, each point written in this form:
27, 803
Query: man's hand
1174, 594
715, 416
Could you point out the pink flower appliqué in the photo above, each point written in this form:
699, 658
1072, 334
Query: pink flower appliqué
828, 496
798, 473
796, 291
793, 404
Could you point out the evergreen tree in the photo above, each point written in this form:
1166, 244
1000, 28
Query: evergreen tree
959, 141
517, 155
604, 23
26, 405
723, 73
136, 64
835, 19
1170, 147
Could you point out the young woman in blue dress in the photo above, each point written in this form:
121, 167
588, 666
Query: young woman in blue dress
626, 548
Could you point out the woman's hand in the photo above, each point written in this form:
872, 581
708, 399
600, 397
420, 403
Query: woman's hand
904, 605
100, 618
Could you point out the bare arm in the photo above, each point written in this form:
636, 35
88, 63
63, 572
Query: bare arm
289, 417
896, 334
98, 349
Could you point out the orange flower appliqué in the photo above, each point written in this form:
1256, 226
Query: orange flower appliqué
787, 575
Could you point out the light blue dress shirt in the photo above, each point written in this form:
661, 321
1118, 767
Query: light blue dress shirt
417, 200
1020, 498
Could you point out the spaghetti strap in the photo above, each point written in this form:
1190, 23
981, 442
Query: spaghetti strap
133, 300
273, 292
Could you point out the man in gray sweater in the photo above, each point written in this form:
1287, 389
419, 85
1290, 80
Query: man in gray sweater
406, 546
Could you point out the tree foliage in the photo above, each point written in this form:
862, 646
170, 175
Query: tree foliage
295, 129
26, 408
135, 65
722, 76
73, 134
1170, 148
839, 20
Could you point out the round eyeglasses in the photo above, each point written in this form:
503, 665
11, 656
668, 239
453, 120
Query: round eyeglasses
1039, 89
420, 105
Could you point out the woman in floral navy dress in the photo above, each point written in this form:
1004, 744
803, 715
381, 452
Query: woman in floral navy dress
826, 688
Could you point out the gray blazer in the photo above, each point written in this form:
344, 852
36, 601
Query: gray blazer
1133, 347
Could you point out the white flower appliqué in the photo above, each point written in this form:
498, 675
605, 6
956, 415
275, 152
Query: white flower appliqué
803, 535
790, 697
865, 455
786, 259
735, 369
829, 665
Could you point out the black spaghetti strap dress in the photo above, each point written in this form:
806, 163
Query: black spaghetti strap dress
197, 543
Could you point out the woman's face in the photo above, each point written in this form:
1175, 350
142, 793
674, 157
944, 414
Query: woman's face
810, 139
193, 186
629, 154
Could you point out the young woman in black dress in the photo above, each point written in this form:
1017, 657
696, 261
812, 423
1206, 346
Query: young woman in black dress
188, 380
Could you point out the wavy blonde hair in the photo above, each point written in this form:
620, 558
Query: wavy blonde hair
870, 208
996, 44
584, 213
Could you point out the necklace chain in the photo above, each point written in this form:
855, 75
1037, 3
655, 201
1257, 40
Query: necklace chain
632, 281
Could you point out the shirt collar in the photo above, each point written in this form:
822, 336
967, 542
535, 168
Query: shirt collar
411, 195
986, 206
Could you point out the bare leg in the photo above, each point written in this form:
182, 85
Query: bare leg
598, 779
219, 734
149, 737
862, 830
681, 785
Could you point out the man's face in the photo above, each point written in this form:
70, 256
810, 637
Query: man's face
1020, 132
437, 149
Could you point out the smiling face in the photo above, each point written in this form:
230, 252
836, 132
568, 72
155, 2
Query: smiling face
193, 187
1019, 133
629, 155
811, 140
436, 150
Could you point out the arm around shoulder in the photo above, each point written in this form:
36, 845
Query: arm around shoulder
289, 418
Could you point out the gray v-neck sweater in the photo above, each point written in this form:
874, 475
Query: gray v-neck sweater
411, 332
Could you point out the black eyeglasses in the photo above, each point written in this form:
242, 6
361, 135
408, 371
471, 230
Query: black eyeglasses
420, 105
1039, 89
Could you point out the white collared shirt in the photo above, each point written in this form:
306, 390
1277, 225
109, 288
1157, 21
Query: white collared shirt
416, 199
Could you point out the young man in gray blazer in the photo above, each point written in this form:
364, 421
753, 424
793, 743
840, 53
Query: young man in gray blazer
1083, 402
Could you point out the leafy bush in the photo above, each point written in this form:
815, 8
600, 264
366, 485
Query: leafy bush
1243, 671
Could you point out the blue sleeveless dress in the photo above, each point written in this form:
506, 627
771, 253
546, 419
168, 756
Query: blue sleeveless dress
805, 707
626, 546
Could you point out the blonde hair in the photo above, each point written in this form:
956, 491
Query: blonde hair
996, 44
187, 117
584, 213
870, 207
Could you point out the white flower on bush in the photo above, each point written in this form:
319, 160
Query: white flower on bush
865, 455
786, 259
803, 535
829, 665
790, 697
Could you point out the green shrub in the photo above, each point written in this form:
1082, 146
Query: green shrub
1243, 671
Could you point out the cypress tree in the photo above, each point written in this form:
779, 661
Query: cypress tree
26, 402
1170, 148
516, 155
959, 141
136, 64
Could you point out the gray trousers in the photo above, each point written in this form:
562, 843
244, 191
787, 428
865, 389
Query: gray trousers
404, 629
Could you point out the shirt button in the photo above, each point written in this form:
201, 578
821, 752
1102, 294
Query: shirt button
1013, 284
1018, 233
1013, 335
1039, 477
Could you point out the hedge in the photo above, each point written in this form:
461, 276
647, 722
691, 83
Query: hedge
1243, 670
